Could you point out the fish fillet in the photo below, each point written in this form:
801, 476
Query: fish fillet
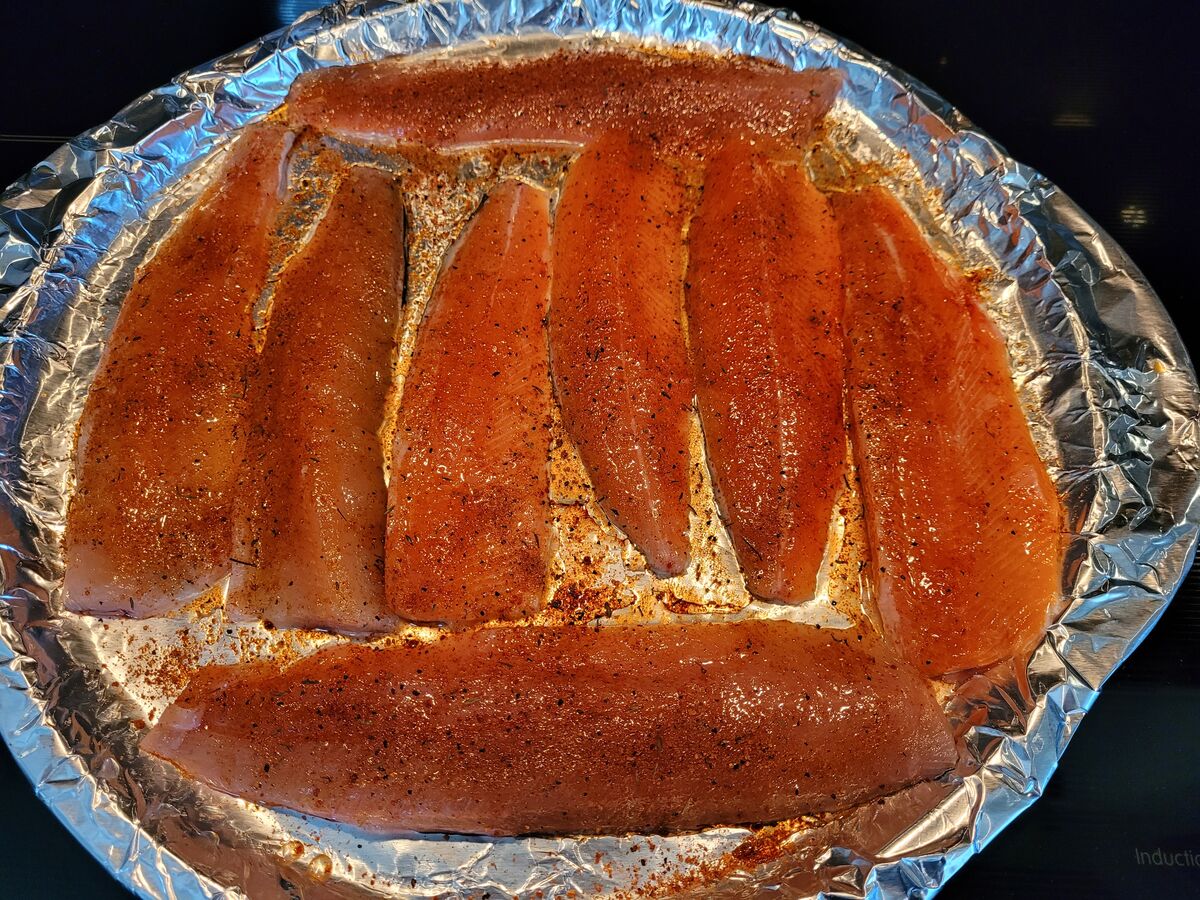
468, 535
527, 730
964, 521
310, 505
565, 97
764, 307
159, 445
617, 348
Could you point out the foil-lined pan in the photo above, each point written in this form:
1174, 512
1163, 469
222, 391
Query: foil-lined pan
1111, 395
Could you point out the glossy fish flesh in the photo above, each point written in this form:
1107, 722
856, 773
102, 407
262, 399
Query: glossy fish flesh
562, 98
310, 505
964, 521
516, 730
764, 307
159, 447
468, 534
617, 349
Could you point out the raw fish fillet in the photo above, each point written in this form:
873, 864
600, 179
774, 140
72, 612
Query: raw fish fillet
617, 349
964, 521
561, 98
764, 307
468, 534
517, 730
310, 506
159, 443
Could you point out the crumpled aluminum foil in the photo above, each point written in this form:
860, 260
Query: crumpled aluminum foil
1097, 360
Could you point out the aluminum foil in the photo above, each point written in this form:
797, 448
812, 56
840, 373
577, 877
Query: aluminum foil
1111, 396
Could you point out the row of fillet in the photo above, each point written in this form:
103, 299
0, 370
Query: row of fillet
197, 456
782, 313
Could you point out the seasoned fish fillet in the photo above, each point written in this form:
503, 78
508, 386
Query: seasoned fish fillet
524, 730
159, 442
468, 534
617, 349
964, 521
564, 98
310, 505
764, 307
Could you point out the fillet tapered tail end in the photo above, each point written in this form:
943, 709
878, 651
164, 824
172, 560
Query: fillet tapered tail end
764, 305
617, 348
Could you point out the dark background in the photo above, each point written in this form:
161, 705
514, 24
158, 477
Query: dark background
1101, 97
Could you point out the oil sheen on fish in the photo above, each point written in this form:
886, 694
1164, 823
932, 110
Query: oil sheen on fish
159, 440
964, 520
561, 98
543, 730
764, 307
617, 349
310, 506
468, 534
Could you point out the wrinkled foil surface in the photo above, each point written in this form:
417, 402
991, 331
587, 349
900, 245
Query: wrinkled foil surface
1112, 398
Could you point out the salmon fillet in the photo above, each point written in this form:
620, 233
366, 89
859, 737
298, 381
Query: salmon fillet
526, 730
469, 534
617, 348
159, 444
561, 98
764, 307
964, 521
310, 505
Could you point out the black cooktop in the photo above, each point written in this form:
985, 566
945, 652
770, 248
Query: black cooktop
1100, 96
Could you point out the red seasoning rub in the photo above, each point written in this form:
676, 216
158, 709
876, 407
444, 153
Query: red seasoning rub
567, 97
964, 521
617, 348
310, 504
764, 306
468, 531
542, 730
159, 444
